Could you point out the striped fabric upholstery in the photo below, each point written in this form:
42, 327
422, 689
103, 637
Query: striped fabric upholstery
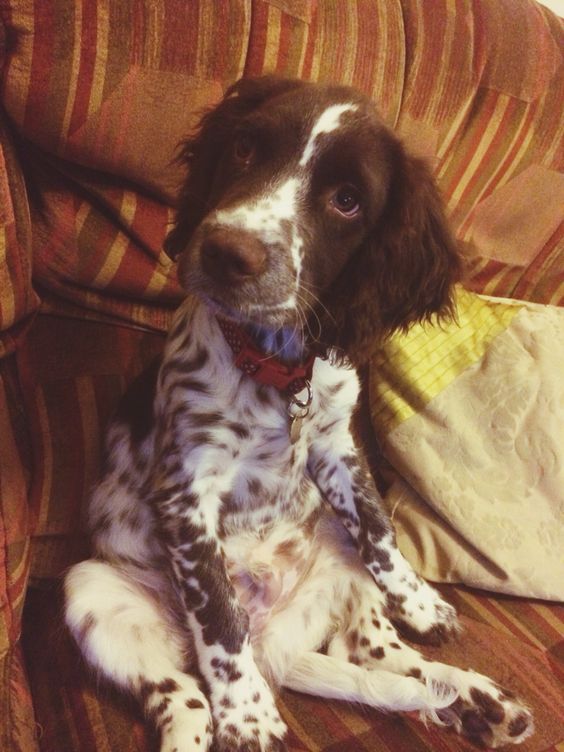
95, 96
18, 301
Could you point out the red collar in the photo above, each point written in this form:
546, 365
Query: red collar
266, 369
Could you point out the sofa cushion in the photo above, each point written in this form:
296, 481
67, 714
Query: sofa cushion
73, 373
516, 642
18, 300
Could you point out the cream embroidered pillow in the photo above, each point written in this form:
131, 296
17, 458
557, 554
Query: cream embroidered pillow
471, 416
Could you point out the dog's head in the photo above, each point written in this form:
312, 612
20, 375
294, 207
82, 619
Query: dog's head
300, 206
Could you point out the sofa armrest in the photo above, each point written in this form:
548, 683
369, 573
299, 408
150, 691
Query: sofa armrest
18, 301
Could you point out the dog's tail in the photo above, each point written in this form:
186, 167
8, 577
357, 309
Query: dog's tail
325, 676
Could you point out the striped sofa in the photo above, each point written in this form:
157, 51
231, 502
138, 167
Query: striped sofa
95, 96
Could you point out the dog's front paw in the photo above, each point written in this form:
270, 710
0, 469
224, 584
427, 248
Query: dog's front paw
421, 615
184, 732
488, 715
234, 742
249, 723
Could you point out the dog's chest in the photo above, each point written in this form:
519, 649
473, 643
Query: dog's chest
237, 444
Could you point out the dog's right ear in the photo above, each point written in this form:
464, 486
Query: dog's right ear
200, 153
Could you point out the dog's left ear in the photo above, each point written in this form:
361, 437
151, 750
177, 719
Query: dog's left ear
405, 270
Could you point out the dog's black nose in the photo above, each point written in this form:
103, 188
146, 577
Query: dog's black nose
232, 256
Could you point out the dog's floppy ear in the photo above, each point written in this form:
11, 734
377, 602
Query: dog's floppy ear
201, 152
405, 270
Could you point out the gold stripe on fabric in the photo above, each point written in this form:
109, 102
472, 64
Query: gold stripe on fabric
19, 572
272, 42
101, 60
118, 248
505, 170
159, 279
350, 24
485, 613
17, 83
81, 216
294, 723
413, 368
442, 102
113, 259
204, 39
520, 626
550, 617
7, 288
72, 84
95, 715
13, 476
297, 51
90, 426
379, 74
489, 132
46, 453
452, 137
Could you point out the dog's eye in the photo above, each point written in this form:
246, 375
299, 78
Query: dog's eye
243, 150
346, 200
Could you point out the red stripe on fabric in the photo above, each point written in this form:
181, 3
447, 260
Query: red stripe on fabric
336, 729
422, 738
534, 272
179, 40
132, 277
500, 135
506, 162
62, 402
486, 110
309, 42
431, 61
138, 26
87, 43
74, 708
61, 233
17, 282
149, 225
254, 64
338, 19
287, 24
42, 62
553, 291
544, 629
499, 614
15, 591
128, 92
29, 390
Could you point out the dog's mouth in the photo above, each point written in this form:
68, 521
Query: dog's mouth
258, 301
274, 315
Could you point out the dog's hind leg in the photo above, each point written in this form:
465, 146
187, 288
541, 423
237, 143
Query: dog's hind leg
334, 678
479, 709
132, 641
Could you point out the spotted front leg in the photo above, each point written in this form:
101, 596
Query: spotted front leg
416, 608
242, 705
180, 711
245, 714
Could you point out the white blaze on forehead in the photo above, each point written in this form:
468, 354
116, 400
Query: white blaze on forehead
264, 217
328, 121
264, 214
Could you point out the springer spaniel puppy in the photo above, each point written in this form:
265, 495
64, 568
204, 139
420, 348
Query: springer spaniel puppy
239, 541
